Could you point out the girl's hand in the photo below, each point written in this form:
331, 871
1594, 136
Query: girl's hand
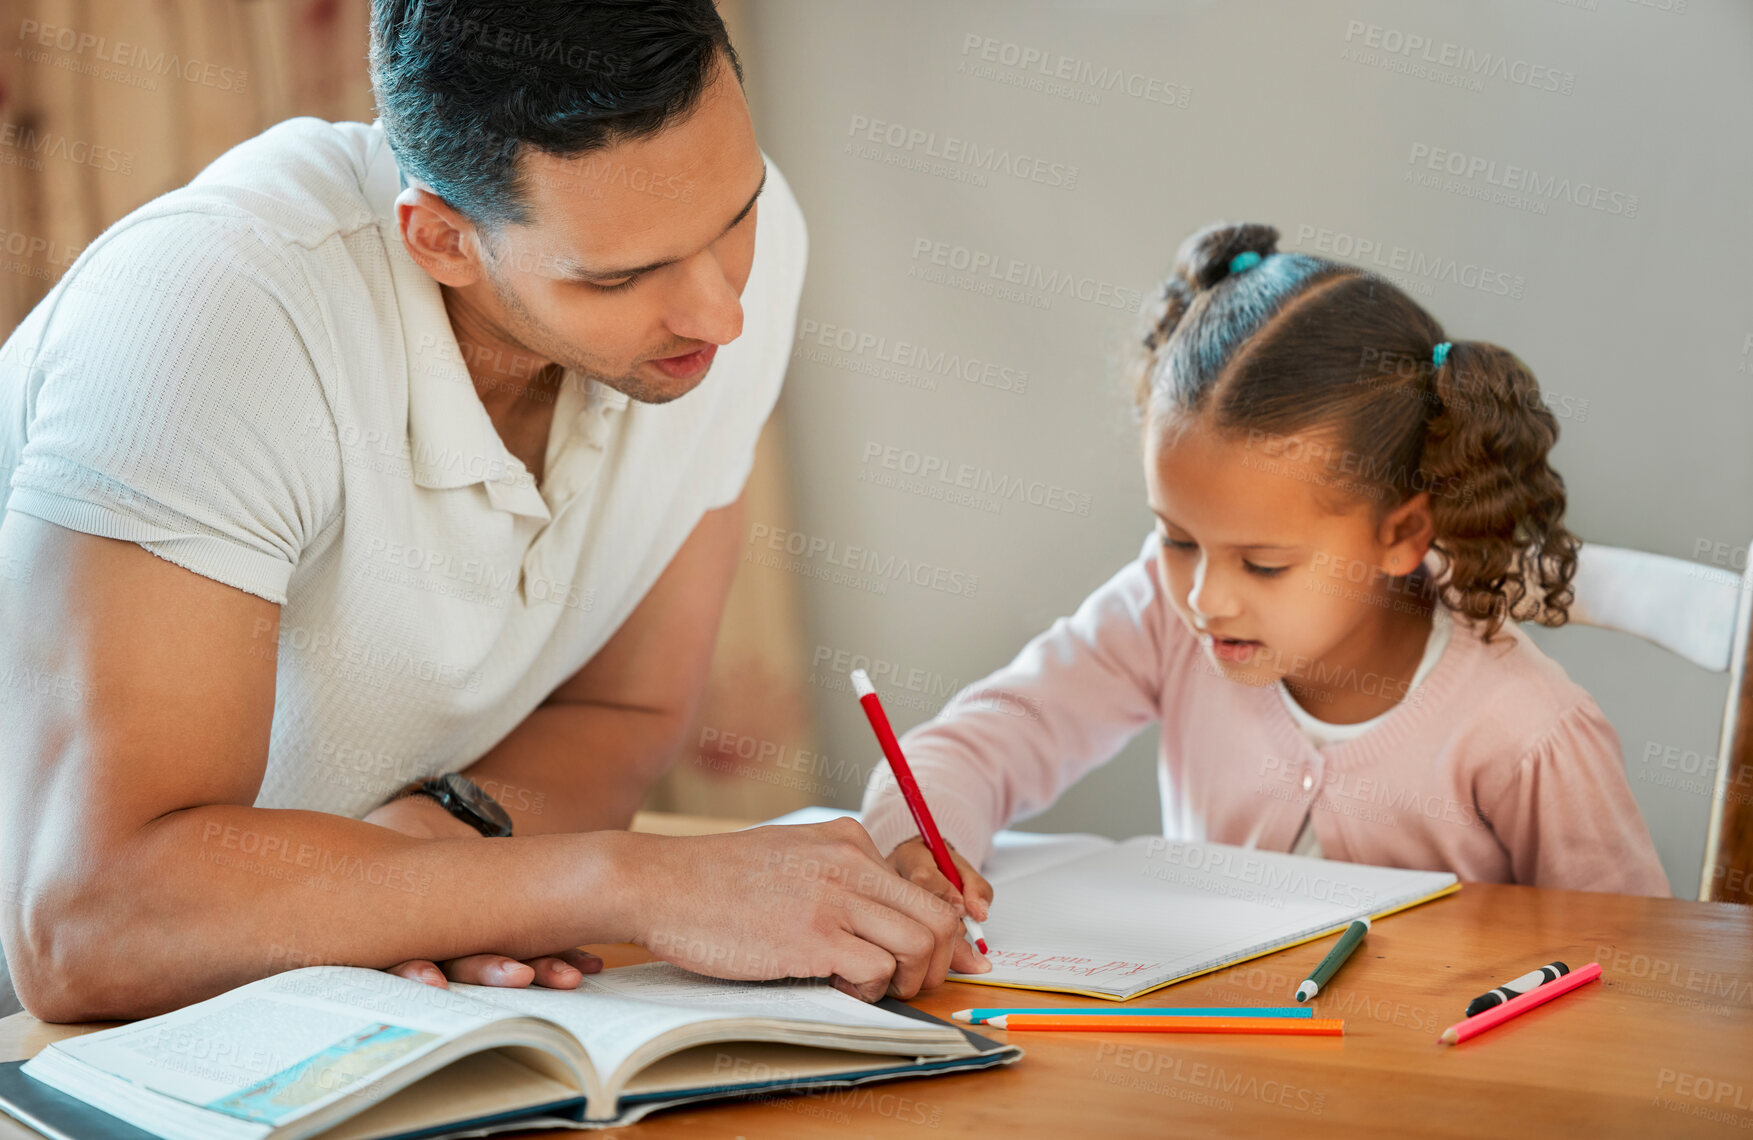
912, 861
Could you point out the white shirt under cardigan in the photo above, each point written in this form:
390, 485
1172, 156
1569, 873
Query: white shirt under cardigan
1321, 733
250, 378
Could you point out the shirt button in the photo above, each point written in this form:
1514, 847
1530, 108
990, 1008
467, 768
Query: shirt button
1308, 780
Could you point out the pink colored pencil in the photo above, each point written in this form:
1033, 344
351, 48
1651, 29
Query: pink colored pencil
1516, 1006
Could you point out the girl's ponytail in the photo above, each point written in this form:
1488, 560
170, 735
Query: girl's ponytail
1204, 259
1499, 509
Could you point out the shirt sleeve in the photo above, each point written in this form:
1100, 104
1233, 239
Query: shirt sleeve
172, 401
1566, 815
1006, 747
770, 298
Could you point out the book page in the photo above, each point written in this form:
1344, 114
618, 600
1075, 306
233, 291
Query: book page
1129, 917
279, 1048
615, 1012
469, 1088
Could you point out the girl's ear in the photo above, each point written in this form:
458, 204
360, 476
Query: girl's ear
1406, 534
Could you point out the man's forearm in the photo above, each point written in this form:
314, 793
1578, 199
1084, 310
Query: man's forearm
208, 898
573, 767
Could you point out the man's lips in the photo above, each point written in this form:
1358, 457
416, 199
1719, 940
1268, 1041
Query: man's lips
688, 364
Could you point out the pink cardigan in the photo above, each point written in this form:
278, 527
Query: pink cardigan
1497, 766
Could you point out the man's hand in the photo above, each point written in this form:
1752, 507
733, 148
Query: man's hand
425, 818
812, 901
562, 971
912, 861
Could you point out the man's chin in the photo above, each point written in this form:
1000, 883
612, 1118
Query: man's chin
649, 385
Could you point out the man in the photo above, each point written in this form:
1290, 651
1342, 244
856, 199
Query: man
383, 454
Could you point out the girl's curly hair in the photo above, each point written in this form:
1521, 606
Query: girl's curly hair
1302, 347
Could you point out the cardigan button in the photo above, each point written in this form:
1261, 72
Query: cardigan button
1308, 780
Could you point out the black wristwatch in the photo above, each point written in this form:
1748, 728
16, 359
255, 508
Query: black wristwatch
463, 798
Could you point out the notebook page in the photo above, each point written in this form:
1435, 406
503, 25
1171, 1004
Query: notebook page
1129, 917
1013, 852
1018, 853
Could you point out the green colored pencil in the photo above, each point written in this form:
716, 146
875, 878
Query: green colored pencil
1335, 958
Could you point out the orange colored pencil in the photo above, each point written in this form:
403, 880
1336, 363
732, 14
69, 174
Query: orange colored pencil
1110, 1023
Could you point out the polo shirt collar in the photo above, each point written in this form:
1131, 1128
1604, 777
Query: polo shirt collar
451, 439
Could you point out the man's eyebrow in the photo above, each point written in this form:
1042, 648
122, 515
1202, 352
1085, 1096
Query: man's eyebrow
575, 272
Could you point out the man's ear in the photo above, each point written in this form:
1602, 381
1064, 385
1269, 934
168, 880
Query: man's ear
441, 241
1406, 534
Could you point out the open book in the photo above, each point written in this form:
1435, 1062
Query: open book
1081, 914
355, 1054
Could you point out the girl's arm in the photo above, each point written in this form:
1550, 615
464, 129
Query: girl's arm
1006, 747
1566, 815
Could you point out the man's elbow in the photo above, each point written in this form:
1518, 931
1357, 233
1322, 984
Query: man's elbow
42, 998
55, 980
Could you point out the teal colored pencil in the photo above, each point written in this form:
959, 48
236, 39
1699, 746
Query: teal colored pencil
981, 1016
1335, 958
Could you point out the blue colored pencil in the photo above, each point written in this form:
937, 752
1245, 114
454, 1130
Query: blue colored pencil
981, 1016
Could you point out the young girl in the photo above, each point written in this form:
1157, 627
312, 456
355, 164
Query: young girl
1351, 512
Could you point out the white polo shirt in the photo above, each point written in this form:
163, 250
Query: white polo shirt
250, 378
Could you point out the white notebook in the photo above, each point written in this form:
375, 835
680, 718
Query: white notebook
1086, 915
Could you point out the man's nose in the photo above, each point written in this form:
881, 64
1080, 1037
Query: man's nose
707, 306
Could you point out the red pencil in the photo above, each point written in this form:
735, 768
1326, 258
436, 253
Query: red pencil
1516, 1006
940, 854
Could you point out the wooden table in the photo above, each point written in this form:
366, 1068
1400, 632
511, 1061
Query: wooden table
1662, 1046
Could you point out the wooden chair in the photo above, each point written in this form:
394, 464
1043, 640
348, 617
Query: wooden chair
1701, 613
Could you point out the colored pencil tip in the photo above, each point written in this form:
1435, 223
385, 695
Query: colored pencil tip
861, 683
1306, 991
1449, 1036
998, 1022
980, 945
963, 1015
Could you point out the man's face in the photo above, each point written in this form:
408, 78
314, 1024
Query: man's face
632, 267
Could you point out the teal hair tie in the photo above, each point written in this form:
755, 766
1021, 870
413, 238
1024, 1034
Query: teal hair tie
1440, 353
1242, 262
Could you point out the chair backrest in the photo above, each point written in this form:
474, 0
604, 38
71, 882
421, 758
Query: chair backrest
1701, 613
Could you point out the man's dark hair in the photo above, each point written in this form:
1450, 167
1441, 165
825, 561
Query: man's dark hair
464, 85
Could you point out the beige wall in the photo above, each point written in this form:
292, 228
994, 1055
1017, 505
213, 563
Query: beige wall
1638, 322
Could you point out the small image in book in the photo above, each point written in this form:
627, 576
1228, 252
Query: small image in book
348, 1061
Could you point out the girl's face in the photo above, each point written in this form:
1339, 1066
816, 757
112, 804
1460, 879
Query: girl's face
1274, 583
